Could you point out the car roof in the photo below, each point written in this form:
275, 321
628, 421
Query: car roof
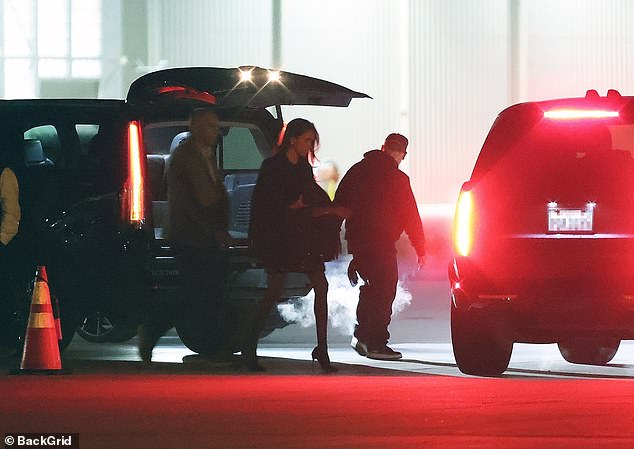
225, 88
31, 111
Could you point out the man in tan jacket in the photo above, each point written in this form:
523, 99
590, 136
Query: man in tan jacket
198, 202
197, 230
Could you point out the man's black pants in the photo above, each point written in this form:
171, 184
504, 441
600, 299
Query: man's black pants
379, 270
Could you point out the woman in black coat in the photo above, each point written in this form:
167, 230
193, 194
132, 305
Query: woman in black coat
294, 228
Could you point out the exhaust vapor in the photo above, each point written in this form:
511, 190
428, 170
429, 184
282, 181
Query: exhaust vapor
342, 300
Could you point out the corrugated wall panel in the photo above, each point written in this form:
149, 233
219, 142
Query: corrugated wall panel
459, 82
357, 44
211, 32
575, 45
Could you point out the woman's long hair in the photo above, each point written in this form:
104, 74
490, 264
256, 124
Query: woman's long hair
296, 128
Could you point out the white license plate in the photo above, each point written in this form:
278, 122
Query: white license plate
570, 220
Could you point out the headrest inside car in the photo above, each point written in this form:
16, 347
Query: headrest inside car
33, 152
178, 139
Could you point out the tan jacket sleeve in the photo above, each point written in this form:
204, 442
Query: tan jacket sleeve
9, 196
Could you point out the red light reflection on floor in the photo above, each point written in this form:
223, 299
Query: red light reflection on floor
162, 411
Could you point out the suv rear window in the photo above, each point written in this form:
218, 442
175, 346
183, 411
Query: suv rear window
552, 141
244, 145
241, 144
571, 159
49, 138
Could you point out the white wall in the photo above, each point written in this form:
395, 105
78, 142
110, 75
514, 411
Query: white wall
438, 70
574, 45
216, 33
459, 82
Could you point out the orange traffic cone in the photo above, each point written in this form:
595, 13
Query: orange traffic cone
41, 350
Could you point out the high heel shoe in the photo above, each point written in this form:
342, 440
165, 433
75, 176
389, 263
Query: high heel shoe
320, 354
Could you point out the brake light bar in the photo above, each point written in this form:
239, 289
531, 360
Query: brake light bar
134, 196
577, 114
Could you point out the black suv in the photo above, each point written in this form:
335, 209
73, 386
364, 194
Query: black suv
93, 191
544, 235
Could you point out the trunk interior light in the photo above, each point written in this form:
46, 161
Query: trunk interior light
245, 76
577, 114
463, 226
274, 76
134, 185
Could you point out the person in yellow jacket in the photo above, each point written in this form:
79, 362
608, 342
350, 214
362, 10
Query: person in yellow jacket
9, 196
327, 177
9, 224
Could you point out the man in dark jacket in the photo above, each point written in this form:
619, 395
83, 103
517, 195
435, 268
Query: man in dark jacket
383, 206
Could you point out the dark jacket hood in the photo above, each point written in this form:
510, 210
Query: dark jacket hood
379, 160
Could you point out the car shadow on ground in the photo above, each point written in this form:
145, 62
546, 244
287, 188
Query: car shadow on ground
194, 364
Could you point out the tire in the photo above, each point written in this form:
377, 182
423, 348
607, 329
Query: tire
103, 327
480, 345
195, 327
589, 351
194, 330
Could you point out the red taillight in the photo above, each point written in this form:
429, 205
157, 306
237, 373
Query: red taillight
463, 224
579, 114
133, 195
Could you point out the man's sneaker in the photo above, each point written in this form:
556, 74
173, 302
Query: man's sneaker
359, 346
384, 353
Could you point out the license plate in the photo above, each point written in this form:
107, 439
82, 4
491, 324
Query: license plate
570, 220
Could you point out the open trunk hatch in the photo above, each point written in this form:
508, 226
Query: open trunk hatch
251, 87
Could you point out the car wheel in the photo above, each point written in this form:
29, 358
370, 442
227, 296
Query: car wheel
102, 327
588, 351
480, 347
194, 330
